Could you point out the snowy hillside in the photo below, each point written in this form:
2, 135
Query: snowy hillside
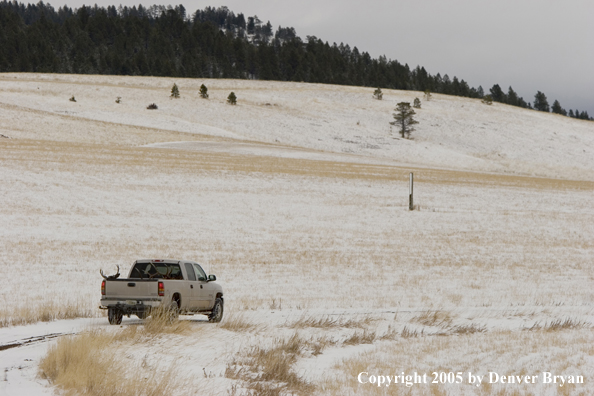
453, 132
297, 200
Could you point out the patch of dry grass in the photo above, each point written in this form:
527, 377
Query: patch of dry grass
327, 322
268, 370
46, 311
361, 337
468, 329
161, 322
434, 318
90, 364
237, 322
560, 324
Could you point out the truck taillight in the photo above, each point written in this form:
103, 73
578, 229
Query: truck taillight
103, 288
161, 289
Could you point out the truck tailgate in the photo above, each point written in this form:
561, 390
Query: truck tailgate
131, 289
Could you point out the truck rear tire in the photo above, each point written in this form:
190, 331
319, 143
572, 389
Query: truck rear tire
114, 316
217, 311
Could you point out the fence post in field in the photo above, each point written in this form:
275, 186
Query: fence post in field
410, 194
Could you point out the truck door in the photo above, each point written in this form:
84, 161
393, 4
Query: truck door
193, 291
206, 290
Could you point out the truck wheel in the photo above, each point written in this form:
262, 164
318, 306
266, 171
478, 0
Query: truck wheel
172, 312
114, 316
217, 312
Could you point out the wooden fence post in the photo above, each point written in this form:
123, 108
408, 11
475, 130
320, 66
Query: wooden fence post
411, 206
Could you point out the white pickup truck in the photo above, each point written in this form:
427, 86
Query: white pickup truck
178, 286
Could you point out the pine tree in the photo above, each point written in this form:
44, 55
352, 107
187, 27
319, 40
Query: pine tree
497, 94
540, 102
557, 109
175, 91
512, 97
480, 92
203, 91
232, 99
417, 103
377, 94
403, 119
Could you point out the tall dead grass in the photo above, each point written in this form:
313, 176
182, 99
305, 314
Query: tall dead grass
238, 322
327, 322
161, 322
44, 312
268, 370
89, 364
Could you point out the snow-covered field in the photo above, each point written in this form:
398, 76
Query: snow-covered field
297, 199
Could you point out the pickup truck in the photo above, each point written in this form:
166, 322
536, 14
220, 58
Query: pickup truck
177, 286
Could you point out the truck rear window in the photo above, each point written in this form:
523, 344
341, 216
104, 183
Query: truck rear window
156, 271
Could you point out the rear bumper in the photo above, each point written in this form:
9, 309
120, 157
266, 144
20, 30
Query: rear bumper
131, 307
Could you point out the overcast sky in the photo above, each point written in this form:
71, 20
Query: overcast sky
531, 45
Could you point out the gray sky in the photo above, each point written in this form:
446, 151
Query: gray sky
531, 45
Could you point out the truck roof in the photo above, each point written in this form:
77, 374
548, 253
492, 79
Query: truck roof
166, 261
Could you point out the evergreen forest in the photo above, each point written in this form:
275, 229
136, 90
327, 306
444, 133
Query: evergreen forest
210, 43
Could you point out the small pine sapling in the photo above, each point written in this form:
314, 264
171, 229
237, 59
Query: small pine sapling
175, 91
152, 106
487, 99
203, 91
119, 99
377, 94
72, 99
417, 103
232, 99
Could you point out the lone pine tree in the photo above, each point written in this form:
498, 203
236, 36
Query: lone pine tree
203, 91
232, 99
175, 91
403, 119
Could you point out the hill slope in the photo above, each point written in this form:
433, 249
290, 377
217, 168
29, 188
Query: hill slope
453, 132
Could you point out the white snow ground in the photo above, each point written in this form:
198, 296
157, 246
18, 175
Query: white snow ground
296, 199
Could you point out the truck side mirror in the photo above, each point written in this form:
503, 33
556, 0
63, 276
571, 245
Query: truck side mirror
212, 278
